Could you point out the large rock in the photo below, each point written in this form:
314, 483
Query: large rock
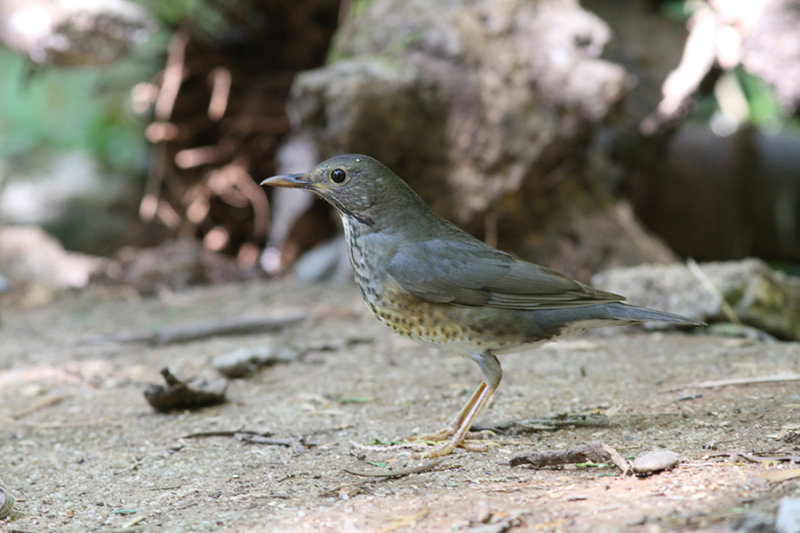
757, 295
30, 260
487, 108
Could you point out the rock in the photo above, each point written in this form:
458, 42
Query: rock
771, 52
655, 461
30, 258
173, 265
755, 522
6, 501
244, 361
771, 301
789, 434
788, 518
89, 32
73, 197
758, 296
478, 105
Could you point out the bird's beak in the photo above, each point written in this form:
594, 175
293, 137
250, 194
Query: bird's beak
294, 181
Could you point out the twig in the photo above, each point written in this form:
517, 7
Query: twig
133, 522
352, 489
776, 476
547, 424
297, 444
46, 402
173, 76
220, 80
60, 425
407, 521
752, 458
249, 187
224, 433
779, 378
202, 330
424, 467
193, 393
171, 81
595, 452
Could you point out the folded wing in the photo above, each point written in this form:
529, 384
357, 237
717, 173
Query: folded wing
471, 273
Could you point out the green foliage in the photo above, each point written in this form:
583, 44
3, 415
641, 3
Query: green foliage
764, 110
87, 109
679, 10
205, 18
54, 109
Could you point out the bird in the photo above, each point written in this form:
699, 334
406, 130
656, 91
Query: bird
427, 279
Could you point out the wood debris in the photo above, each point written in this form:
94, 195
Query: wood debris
190, 394
193, 331
593, 452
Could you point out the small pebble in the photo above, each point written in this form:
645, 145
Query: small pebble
244, 361
6, 501
655, 461
788, 518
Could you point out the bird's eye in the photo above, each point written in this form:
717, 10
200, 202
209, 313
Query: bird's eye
338, 175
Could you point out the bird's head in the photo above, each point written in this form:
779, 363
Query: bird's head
357, 185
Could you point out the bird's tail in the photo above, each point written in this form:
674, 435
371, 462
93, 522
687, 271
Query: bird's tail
621, 311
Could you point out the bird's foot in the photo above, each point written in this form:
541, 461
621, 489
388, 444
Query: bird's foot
441, 435
445, 443
446, 448
447, 433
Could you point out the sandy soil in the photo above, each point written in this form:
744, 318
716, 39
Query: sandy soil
82, 450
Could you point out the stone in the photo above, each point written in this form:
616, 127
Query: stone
247, 360
655, 461
482, 106
788, 517
758, 296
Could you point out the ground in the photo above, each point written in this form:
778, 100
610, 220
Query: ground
83, 451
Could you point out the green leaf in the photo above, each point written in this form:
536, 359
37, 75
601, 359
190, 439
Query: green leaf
356, 399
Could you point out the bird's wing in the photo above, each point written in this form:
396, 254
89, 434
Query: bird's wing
472, 273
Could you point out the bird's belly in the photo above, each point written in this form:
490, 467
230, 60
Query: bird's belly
470, 330
460, 329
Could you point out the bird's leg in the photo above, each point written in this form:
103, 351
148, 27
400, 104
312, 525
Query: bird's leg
453, 426
492, 374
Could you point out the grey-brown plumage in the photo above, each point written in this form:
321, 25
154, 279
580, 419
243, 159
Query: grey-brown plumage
427, 279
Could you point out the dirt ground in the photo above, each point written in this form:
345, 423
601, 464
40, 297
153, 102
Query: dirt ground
83, 451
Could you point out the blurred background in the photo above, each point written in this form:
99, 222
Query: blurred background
580, 135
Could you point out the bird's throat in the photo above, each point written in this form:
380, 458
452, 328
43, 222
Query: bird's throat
348, 213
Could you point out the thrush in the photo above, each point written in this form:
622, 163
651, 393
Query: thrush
429, 280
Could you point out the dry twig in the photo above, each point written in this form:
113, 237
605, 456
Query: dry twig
202, 330
189, 394
393, 474
778, 378
595, 452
